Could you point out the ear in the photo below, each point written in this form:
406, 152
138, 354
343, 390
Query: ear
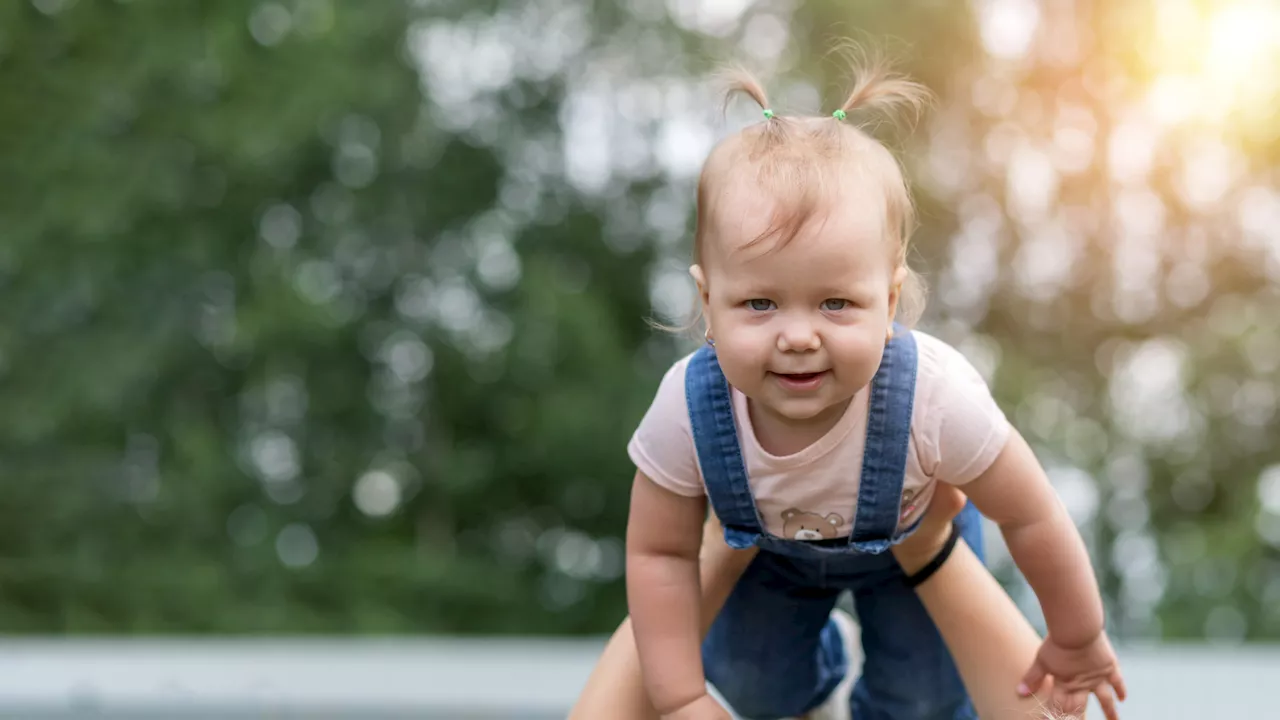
700, 277
834, 519
895, 294
789, 513
895, 290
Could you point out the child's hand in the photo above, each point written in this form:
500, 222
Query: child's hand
704, 708
1077, 672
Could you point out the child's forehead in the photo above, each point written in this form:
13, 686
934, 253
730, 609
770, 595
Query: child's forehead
751, 220
805, 267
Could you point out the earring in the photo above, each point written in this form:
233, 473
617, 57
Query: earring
888, 335
706, 334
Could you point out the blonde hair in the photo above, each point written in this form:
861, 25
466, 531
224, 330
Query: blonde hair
796, 159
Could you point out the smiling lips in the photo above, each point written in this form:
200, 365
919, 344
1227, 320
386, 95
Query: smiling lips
800, 381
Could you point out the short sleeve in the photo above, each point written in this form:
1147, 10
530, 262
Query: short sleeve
662, 446
963, 429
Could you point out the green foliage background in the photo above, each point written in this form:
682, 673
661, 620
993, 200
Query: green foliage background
256, 254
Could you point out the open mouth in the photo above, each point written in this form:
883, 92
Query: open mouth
801, 377
801, 381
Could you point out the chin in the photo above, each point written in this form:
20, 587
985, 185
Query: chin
804, 411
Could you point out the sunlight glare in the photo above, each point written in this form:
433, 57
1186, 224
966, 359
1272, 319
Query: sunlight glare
1240, 38
1214, 67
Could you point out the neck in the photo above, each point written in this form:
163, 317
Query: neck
782, 436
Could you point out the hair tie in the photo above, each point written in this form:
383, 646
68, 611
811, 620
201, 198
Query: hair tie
768, 114
839, 115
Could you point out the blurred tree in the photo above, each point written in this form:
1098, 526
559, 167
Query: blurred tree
1099, 214
276, 357
329, 317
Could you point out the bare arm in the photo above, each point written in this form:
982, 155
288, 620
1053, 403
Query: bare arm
1015, 493
1076, 653
991, 641
616, 686
664, 532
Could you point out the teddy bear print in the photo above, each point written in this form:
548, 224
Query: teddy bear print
804, 525
908, 504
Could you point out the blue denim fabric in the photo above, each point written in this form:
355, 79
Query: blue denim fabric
773, 651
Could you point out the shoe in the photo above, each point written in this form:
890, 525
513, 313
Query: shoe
836, 706
715, 695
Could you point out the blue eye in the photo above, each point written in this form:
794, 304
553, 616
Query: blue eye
835, 304
760, 305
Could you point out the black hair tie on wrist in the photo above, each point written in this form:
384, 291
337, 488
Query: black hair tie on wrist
928, 570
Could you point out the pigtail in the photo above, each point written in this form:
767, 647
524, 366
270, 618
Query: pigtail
877, 87
737, 80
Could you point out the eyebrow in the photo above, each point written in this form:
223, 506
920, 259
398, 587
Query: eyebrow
853, 290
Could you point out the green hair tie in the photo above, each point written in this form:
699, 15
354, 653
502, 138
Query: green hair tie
768, 114
839, 115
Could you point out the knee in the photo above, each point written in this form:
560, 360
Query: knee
914, 706
750, 692
956, 708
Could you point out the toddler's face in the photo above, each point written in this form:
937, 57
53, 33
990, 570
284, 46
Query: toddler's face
801, 328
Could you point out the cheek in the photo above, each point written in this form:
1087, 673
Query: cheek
742, 350
862, 347
732, 330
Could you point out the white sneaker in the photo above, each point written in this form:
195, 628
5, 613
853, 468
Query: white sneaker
837, 705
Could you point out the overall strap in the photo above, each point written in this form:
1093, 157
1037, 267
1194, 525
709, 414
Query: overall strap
884, 459
715, 436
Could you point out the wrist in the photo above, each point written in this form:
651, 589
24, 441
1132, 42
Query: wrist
1073, 641
913, 561
917, 577
917, 551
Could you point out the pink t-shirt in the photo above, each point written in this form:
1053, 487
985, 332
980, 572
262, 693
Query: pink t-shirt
957, 430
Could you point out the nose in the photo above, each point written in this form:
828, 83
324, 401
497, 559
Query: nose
798, 335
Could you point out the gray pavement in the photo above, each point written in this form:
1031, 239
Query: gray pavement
465, 679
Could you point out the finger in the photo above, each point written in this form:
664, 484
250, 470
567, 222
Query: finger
1032, 679
1107, 700
1070, 702
1117, 682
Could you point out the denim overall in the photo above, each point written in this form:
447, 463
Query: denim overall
773, 651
